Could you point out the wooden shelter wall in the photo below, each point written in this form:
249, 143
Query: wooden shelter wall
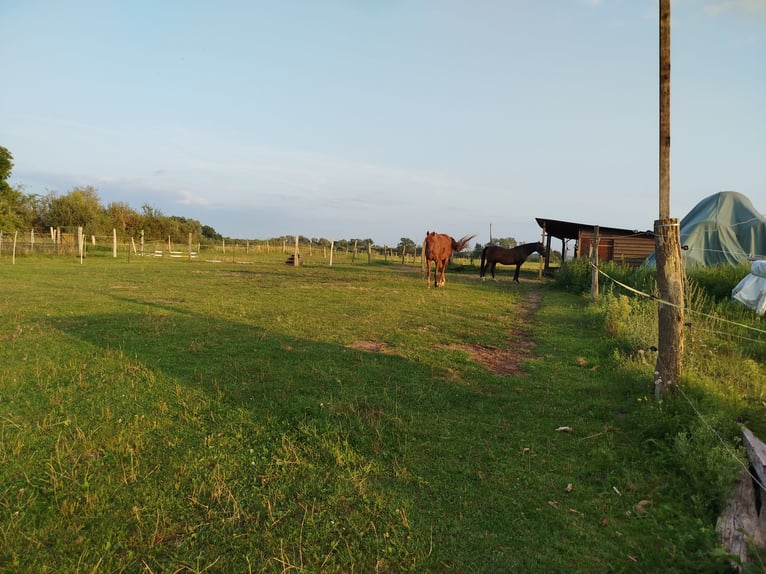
628, 249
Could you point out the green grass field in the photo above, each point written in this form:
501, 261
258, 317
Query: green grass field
187, 416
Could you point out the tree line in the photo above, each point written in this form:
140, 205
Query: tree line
82, 207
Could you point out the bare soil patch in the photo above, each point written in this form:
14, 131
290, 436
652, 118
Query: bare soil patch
369, 346
506, 361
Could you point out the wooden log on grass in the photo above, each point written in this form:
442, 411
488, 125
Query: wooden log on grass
743, 521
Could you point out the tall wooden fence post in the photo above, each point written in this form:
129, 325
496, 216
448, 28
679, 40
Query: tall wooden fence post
594, 267
114, 243
670, 287
670, 342
80, 242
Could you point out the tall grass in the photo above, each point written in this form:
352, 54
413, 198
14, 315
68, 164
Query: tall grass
725, 344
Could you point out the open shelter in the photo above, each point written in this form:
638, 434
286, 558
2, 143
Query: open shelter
614, 244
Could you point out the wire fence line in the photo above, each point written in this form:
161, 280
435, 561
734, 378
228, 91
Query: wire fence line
742, 517
686, 308
73, 242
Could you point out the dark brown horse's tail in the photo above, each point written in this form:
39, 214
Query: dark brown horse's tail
483, 258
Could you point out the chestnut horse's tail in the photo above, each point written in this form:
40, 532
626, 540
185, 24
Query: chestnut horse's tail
460, 244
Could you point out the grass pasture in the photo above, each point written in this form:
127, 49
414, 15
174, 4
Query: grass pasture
188, 416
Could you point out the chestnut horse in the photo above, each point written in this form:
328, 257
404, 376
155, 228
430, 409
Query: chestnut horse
438, 247
494, 254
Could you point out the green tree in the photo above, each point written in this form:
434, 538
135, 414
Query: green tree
507, 242
405, 243
80, 207
6, 166
210, 233
124, 218
15, 207
181, 227
153, 223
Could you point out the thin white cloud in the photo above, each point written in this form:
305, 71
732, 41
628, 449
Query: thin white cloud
755, 8
189, 198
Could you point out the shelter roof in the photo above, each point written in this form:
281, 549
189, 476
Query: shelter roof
571, 230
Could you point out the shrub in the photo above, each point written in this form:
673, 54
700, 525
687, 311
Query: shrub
717, 281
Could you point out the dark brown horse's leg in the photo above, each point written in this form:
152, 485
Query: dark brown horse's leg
516, 275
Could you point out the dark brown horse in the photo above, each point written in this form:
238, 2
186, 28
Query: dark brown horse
438, 247
494, 254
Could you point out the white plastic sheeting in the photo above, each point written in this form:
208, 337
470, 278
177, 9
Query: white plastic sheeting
751, 291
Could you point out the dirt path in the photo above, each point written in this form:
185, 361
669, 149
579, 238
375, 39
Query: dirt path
506, 361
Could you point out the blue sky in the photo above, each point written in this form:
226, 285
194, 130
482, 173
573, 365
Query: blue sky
384, 119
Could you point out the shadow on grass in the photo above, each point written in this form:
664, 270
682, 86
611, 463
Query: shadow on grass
377, 444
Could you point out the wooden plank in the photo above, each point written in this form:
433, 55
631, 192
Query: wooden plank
756, 450
739, 521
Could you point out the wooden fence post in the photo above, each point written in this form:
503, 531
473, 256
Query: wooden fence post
670, 341
332, 248
594, 270
114, 243
80, 242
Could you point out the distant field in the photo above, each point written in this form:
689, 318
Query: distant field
162, 415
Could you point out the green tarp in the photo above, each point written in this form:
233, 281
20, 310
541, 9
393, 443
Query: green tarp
722, 228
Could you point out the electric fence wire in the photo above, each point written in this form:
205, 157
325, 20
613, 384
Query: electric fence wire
715, 433
744, 464
688, 309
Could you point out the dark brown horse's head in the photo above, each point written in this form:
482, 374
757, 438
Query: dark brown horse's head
540, 248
